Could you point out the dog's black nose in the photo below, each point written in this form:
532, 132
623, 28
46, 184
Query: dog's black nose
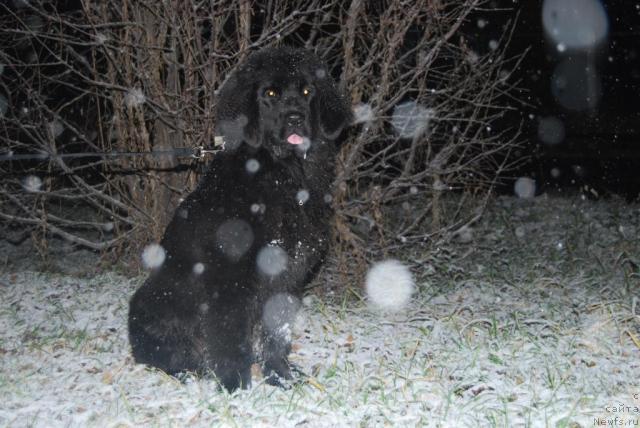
294, 118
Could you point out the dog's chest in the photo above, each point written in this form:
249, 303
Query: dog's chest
299, 212
292, 211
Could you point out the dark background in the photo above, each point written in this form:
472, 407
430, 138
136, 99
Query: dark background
600, 153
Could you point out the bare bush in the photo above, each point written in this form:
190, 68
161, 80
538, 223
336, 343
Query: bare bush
141, 76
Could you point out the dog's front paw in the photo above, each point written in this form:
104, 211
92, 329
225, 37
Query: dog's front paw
234, 378
277, 372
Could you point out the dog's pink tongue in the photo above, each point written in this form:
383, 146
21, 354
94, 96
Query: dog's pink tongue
294, 139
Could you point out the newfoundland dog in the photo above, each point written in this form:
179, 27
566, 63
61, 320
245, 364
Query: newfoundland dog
240, 248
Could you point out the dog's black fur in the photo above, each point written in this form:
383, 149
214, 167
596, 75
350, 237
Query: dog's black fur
199, 310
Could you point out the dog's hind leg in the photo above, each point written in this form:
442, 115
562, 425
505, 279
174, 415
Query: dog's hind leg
163, 336
276, 364
278, 316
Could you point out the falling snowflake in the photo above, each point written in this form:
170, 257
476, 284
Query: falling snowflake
252, 166
551, 130
198, 268
302, 196
55, 128
279, 314
525, 187
389, 285
153, 256
576, 84
575, 24
272, 260
234, 237
410, 119
362, 113
101, 38
32, 183
134, 98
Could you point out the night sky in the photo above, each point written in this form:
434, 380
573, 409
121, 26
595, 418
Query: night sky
581, 100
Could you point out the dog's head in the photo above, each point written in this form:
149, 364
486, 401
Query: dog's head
282, 99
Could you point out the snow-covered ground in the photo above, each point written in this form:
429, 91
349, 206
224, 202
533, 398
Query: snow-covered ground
533, 322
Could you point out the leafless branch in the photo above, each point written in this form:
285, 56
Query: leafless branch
140, 76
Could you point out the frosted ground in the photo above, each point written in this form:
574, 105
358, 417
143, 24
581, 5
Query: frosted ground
533, 319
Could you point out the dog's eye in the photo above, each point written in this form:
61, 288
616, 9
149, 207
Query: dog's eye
306, 91
270, 92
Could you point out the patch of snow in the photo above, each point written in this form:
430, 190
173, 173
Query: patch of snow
536, 339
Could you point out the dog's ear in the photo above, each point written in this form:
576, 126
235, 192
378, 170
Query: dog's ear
330, 107
237, 111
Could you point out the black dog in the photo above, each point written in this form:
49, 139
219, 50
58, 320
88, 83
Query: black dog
255, 230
